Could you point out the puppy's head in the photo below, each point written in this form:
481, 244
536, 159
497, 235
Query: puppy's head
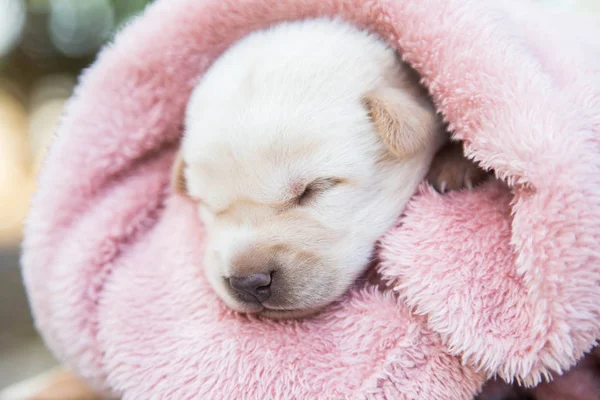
303, 144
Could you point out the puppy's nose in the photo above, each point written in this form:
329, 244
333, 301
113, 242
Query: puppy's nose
256, 286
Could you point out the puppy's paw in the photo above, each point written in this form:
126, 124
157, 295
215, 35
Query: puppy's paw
451, 170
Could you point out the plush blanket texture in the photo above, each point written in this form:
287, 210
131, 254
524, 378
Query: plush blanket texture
502, 280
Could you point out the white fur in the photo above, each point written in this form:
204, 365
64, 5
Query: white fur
280, 108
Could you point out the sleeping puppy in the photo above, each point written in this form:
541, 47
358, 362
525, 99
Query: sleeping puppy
303, 144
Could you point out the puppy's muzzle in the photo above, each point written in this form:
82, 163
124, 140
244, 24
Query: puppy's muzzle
274, 277
252, 288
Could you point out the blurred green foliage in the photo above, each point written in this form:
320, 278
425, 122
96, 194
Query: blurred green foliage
57, 36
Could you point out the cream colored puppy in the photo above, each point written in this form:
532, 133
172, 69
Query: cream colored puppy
303, 144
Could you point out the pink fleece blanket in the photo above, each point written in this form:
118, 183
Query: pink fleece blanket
504, 279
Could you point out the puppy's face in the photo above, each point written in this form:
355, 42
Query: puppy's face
299, 159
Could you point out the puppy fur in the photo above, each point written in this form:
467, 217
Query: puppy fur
303, 144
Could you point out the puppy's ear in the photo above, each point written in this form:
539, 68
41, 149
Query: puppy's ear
406, 123
178, 181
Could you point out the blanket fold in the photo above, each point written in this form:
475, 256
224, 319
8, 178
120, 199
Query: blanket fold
501, 280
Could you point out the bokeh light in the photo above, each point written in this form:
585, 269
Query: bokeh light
78, 28
12, 21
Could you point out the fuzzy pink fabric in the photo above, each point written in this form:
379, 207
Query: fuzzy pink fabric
500, 280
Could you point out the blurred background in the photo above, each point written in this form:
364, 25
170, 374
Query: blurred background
44, 45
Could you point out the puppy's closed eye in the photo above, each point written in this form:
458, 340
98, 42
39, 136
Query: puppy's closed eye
311, 191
